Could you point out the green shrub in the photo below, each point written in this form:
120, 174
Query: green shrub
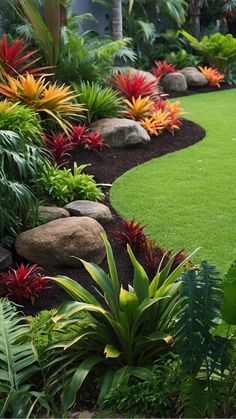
89, 58
218, 50
21, 120
19, 165
100, 102
123, 335
156, 397
66, 185
183, 59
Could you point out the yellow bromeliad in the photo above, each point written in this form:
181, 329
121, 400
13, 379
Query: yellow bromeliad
213, 76
52, 100
138, 108
156, 123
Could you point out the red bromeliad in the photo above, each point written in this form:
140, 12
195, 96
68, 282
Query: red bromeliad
15, 60
135, 84
131, 233
59, 146
161, 68
23, 284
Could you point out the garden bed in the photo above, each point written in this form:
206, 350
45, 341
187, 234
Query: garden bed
106, 166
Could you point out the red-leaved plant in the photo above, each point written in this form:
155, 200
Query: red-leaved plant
15, 60
131, 233
156, 257
59, 146
88, 140
161, 68
23, 284
135, 84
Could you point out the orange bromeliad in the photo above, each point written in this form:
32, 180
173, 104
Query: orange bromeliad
138, 108
213, 75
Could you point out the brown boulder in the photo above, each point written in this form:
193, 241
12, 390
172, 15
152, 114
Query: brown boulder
53, 244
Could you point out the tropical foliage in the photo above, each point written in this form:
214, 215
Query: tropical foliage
49, 100
14, 59
121, 340
100, 102
23, 284
213, 76
22, 120
66, 185
135, 84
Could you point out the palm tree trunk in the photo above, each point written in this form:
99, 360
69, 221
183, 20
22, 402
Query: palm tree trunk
195, 7
117, 27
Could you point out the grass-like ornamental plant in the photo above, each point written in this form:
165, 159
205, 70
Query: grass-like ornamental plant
135, 84
50, 100
213, 76
23, 284
100, 102
14, 58
123, 335
65, 185
21, 120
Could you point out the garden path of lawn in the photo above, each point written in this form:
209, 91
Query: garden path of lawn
188, 198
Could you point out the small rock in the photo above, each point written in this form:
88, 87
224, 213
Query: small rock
5, 258
121, 132
174, 82
99, 212
194, 77
53, 213
55, 243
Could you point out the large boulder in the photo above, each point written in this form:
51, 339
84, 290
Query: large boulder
175, 82
194, 77
5, 258
96, 210
53, 244
121, 132
53, 213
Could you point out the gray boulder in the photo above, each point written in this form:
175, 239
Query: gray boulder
121, 132
5, 258
175, 82
53, 244
194, 77
96, 210
53, 213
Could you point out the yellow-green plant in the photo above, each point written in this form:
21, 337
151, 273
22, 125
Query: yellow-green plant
44, 97
123, 335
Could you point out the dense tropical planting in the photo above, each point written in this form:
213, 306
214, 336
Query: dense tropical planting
98, 312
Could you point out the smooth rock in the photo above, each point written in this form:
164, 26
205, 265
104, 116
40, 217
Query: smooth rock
174, 82
149, 76
53, 213
194, 77
5, 258
121, 132
96, 210
53, 244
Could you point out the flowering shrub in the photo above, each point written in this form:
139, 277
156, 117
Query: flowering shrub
23, 284
161, 68
213, 76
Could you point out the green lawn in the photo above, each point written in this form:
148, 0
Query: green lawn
188, 198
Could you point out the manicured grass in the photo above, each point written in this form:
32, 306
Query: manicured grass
188, 198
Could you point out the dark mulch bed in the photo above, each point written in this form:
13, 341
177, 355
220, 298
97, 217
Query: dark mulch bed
106, 166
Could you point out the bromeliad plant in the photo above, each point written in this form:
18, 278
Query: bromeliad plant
135, 84
138, 108
23, 284
213, 76
161, 68
14, 59
49, 100
122, 336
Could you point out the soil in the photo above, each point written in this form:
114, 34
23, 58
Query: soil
106, 166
